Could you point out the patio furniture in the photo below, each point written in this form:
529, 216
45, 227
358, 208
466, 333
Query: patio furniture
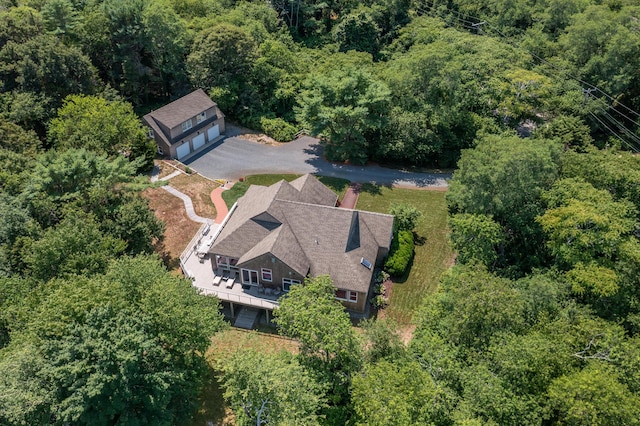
231, 281
218, 277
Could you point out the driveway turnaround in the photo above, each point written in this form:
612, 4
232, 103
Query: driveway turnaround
233, 158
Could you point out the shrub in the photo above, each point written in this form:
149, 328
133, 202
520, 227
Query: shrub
381, 277
406, 216
379, 301
278, 129
400, 254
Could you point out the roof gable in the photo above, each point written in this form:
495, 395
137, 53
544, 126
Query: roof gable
316, 237
182, 109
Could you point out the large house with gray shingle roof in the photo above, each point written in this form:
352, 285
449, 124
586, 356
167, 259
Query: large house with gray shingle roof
280, 234
186, 125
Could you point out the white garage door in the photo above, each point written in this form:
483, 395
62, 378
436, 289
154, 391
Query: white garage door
183, 150
198, 141
213, 132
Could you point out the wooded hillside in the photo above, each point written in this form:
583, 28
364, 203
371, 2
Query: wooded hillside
533, 103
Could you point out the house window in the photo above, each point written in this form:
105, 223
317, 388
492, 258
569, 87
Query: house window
347, 295
160, 151
225, 262
266, 275
151, 134
201, 117
287, 283
186, 125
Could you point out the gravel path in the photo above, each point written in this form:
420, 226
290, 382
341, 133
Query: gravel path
233, 158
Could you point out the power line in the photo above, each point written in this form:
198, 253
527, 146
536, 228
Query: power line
614, 133
478, 26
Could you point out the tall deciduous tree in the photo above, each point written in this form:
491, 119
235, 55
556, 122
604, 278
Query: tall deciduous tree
126, 346
102, 126
595, 396
111, 369
270, 389
221, 56
476, 237
73, 176
471, 306
347, 106
400, 393
168, 38
589, 233
311, 314
329, 346
503, 177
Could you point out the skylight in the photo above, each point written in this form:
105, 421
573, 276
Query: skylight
366, 263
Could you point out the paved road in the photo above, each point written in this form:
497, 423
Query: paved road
233, 158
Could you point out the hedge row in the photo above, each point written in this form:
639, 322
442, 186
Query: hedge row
400, 253
278, 129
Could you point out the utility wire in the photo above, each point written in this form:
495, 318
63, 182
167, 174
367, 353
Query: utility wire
614, 133
475, 26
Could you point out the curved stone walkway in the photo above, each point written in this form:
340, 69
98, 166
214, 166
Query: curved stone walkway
186, 200
219, 203
188, 205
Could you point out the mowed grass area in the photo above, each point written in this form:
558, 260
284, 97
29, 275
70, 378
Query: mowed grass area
433, 252
212, 407
337, 185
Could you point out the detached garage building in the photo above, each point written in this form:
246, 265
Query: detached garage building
185, 125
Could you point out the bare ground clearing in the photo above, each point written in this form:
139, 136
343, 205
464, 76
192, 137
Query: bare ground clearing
179, 228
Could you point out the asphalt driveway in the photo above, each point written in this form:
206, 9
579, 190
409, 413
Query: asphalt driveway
233, 157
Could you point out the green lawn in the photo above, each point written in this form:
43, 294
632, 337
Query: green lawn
337, 185
433, 253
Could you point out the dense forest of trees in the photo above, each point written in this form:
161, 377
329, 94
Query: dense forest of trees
537, 323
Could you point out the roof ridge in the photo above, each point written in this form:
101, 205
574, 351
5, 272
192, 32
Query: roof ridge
332, 207
295, 237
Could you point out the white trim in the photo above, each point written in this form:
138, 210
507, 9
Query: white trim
348, 294
249, 271
289, 282
269, 271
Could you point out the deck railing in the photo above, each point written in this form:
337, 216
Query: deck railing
193, 244
241, 299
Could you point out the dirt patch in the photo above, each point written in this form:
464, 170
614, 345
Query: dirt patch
165, 168
406, 333
199, 189
250, 135
179, 228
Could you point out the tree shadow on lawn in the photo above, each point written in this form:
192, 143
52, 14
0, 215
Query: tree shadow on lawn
372, 188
